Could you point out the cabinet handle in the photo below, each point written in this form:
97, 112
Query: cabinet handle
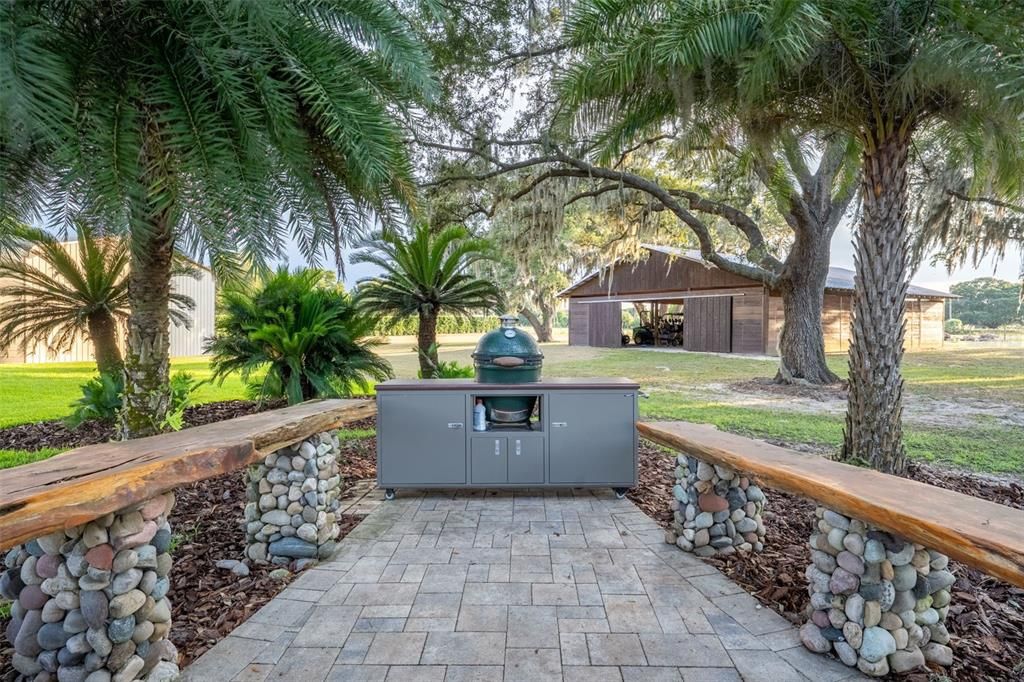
557, 425
519, 447
455, 425
497, 448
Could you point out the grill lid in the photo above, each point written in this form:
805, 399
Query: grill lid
507, 342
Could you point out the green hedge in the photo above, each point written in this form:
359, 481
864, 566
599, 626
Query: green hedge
446, 324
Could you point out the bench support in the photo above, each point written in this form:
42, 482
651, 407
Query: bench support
879, 602
293, 497
715, 509
89, 602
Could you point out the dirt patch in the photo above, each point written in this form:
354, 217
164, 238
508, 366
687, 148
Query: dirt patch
55, 434
986, 617
764, 393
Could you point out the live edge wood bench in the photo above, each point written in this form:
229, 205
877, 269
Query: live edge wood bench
89, 541
878, 578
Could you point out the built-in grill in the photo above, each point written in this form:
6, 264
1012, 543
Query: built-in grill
508, 356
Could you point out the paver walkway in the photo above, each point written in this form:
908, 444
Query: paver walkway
524, 586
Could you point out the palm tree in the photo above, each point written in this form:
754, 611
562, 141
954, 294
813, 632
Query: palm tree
425, 273
308, 335
881, 71
223, 129
78, 290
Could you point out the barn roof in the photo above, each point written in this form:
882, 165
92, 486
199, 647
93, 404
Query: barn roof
839, 279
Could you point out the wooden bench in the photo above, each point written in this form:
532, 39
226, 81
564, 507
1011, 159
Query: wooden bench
910, 525
85, 483
90, 540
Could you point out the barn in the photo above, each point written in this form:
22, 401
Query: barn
184, 341
690, 303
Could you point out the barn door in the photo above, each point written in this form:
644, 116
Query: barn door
707, 324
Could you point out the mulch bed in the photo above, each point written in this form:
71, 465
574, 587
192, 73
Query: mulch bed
986, 617
54, 433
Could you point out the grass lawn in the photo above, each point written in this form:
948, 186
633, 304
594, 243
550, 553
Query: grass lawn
691, 387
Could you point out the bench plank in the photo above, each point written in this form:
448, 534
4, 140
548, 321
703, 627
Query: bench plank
982, 534
83, 484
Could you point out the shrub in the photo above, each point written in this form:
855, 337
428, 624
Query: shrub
445, 369
101, 400
103, 396
953, 326
304, 331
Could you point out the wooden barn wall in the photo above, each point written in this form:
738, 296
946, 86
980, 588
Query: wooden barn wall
579, 323
708, 324
659, 273
924, 319
605, 324
748, 324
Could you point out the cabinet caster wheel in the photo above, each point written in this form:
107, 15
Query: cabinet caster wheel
620, 492
389, 494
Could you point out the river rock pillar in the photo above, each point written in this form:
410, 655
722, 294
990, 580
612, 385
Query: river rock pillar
293, 497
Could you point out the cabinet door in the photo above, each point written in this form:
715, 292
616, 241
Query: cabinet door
592, 438
422, 438
525, 460
489, 459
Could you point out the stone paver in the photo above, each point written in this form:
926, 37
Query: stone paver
512, 586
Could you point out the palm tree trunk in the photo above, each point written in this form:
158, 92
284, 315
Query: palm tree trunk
802, 342
103, 333
147, 365
874, 430
426, 338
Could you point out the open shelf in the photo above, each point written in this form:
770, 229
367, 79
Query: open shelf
534, 423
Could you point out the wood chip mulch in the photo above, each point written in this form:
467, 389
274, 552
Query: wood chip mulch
54, 434
986, 617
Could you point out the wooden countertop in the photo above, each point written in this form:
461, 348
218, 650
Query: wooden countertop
554, 383
85, 483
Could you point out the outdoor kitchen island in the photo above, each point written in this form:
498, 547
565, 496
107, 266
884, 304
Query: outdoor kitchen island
577, 432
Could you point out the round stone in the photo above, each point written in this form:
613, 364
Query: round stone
712, 503
851, 562
847, 654
877, 644
95, 608
47, 565
74, 622
126, 604
812, 638
154, 507
25, 642
52, 636
939, 654
120, 630
872, 613
854, 543
32, 597
126, 582
853, 633
162, 540
98, 640
854, 608
843, 582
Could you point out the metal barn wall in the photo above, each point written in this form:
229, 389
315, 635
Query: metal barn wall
707, 325
184, 342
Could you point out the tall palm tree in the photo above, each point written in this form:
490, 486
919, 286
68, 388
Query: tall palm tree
81, 290
425, 273
224, 129
881, 71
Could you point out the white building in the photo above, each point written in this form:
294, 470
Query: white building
184, 341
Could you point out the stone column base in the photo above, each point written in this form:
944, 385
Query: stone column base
878, 601
715, 510
89, 602
293, 496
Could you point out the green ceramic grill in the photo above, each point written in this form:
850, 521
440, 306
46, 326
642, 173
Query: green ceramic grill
508, 356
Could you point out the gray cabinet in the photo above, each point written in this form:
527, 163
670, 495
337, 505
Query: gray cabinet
584, 435
525, 459
489, 463
589, 433
423, 438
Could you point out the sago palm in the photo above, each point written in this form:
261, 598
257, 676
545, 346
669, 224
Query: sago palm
424, 274
882, 71
76, 290
308, 337
225, 129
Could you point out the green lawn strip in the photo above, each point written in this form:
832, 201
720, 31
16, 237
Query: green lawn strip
988, 448
13, 458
